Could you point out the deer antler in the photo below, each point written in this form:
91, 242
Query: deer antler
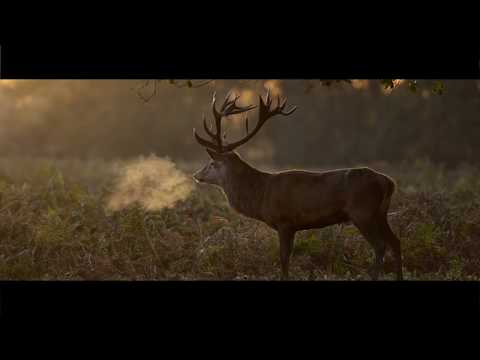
229, 107
265, 112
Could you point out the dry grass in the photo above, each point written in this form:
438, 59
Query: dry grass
53, 225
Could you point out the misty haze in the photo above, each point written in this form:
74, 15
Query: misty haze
96, 178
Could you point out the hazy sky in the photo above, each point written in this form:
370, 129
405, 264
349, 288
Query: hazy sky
340, 123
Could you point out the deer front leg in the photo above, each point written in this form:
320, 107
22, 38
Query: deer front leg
286, 237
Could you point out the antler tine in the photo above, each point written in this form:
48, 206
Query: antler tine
216, 143
289, 112
281, 103
208, 128
281, 106
231, 104
218, 121
231, 107
216, 114
239, 110
204, 142
226, 102
267, 99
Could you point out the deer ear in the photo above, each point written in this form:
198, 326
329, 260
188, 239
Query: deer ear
213, 154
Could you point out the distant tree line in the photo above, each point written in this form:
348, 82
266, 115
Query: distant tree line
343, 123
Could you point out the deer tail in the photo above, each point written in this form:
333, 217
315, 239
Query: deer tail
389, 187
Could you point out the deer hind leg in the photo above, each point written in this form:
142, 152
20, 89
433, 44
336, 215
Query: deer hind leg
391, 239
394, 244
286, 237
372, 233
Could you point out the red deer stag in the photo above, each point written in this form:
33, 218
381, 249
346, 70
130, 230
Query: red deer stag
295, 200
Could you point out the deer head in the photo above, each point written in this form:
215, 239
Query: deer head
222, 154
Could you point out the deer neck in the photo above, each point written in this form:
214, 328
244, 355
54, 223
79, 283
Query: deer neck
245, 188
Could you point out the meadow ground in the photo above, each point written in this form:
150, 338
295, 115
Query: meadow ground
54, 225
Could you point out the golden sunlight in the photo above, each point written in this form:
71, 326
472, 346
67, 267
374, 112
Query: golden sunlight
24, 101
275, 87
360, 84
8, 83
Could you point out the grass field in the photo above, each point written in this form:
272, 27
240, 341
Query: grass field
54, 225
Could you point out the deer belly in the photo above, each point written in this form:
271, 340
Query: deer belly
302, 217
322, 221
318, 219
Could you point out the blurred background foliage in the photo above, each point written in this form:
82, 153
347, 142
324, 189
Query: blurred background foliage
62, 142
346, 122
